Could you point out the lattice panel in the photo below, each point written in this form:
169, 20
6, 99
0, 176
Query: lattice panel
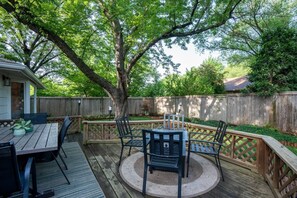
102, 131
287, 181
5, 123
270, 164
285, 177
108, 131
245, 149
206, 135
227, 146
74, 127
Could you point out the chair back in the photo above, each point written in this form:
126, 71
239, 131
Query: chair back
65, 126
9, 171
123, 127
221, 131
36, 118
67, 122
173, 121
163, 145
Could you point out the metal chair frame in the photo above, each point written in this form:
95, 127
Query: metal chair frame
128, 139
164, 153
15, 181
211, 148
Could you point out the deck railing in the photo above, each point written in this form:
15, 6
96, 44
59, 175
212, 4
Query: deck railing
76, 125
259, 153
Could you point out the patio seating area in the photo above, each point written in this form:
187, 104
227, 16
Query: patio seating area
93, 171
104, 159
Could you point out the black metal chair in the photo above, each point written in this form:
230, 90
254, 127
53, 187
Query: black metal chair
12, 180
164, 153
128, 139
36, 118
53, 155
210, 145
63, 135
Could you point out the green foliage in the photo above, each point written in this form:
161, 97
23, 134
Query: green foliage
240, 39
212, 123
206, 79
266, 131
20, 44
275, 67
109, 40
293, 149
22, 124
251, 129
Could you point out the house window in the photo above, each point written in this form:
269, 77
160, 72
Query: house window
17, 100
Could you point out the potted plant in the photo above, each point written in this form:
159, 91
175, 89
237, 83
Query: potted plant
21, 127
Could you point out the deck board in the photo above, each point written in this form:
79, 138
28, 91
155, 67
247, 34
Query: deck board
239, 182
83, 182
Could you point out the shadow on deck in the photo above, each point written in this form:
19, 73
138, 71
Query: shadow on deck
83, 183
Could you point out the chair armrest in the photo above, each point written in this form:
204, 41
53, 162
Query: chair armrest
200, 133
204, 141
131, 136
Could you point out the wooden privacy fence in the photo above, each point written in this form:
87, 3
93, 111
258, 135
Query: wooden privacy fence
279, 111
262, 154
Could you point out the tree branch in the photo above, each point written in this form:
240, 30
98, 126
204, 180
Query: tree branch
171, 33
26, 17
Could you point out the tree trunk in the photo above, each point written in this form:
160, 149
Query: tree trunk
120, 105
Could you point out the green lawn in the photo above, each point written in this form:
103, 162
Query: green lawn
256, 130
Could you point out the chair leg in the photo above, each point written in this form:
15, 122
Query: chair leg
64, 152
144, 181
61, 169
34, 181
188, 162
129, 150
220, 167
63, 161
179, 182
121, 155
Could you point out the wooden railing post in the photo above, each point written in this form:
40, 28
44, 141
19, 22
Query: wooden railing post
79, 124
85, 133
276, 166
261, 158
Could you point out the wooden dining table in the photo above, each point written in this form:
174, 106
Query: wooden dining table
44, 137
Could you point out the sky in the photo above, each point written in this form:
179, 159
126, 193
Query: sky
188, 58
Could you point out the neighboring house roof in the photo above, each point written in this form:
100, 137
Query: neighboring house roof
236, 84
16, 70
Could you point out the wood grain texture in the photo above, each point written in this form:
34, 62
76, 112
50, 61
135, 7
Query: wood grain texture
44, 137
83, 183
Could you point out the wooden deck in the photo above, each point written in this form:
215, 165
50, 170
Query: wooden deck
239, 182
83, 182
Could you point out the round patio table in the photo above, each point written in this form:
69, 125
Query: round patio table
203, 177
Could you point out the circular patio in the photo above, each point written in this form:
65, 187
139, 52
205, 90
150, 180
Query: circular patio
203, 176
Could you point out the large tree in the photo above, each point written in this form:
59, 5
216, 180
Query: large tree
107, 39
